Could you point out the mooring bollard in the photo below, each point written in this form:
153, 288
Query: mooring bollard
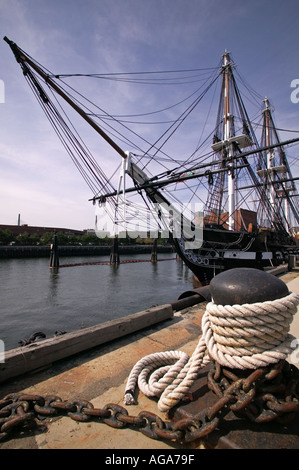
245, 342
246, 286
250, 315
249, 319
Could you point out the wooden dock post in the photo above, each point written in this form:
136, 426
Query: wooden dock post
54, 258
114, 254
154, 257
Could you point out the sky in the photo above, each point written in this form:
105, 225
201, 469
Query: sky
38, 180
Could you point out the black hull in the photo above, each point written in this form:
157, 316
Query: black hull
222, 250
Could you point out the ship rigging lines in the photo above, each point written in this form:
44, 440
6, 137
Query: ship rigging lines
169, 167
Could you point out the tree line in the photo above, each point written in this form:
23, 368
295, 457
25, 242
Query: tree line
7, 237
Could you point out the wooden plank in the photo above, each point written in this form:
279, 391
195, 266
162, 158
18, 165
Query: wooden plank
20, 360
278, 270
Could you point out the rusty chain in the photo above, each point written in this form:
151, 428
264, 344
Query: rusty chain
262, 395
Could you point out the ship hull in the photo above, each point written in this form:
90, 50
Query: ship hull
222, 250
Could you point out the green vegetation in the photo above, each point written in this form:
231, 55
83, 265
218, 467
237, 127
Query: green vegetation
8, 238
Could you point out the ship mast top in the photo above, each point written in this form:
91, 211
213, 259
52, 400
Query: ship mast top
229, 142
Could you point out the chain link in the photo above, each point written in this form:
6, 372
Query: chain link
253, 396
250, 394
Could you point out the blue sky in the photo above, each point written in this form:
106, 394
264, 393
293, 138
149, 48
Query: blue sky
37, 178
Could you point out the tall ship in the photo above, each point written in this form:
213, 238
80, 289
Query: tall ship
230, 202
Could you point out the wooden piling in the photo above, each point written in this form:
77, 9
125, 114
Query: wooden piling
54, 258
114, 254
154, 257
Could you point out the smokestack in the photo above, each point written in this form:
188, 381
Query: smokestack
19, 219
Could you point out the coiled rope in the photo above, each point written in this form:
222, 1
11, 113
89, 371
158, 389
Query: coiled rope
245, 336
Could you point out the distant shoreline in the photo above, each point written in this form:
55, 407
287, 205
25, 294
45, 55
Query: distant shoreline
7, 252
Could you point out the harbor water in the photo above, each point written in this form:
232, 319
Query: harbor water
35, 298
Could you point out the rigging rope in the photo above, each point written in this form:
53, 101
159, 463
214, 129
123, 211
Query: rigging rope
79, 153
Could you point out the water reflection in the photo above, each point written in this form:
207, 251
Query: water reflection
35, 298
53, 284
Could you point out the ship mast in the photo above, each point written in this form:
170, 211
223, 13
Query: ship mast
270, 152
227, 123
226, 142
276, 174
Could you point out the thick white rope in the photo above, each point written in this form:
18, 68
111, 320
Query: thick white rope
245, 336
